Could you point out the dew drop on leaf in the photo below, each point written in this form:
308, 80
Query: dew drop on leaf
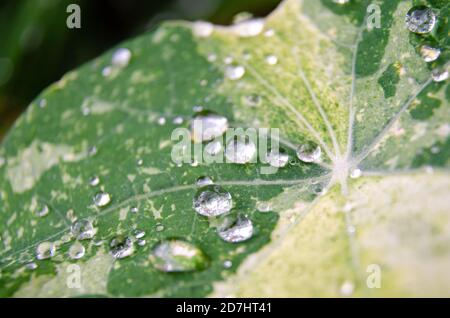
102, 199
429, 54
208, 125
271, 59
159, 227
347, 288
277, 158
42, 210
341, 1
249, 28
121, 247
309, 152
355, 173
204, 181
234, 72
212, 200
420, 20
235, 229
76, 250
45, 250
439, 75
141, 242
31, 266
263, 206
83, 229
139, 234
94, 181
240, 151
203, 29
227, 264
178, 256
121, 57
134, 210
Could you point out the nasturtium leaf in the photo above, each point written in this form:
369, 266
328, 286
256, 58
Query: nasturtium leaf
370, 218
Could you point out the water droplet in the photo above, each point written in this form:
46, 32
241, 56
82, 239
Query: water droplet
439, 75
76, 250
227, 264
235, 229
347, 288
240, 151
204, 181
341, 1
178, 256
94, 181
208, 125
42, 103
141, 242
159, 227
197, 108
228, 60
178, 120
234, 72
212, 200
249, 28
161, 121
42, 210
277, 158
271, 59
263, 206
139, 162
31, 266
203, 29
139, 234
121, 247
253, 100
134, 210
213, 148
355, 173
106, 71
121, 57
83, 229
102, 199
45, 250
212, 57
429, 54
309, 152
420, 20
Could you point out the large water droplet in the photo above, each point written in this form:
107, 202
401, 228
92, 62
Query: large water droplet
277, 158
178, 256
235, 229
212, 200
83, 229
204, 181
429, 54
309, 152
208, 125
102, 199
121, 57
240, 151
76, 250
420, 20
213, 148
234, 72
439, 75
121, 247
45, 250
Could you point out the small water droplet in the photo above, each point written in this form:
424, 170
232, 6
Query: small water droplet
263, 206
45, 250
429, 54
42, 103
161, 121
141, 242
235, 229
159, 227
355, 173
347, 288
139, 162
106, 71
234, 72
121, 57
228, 60
277, 158
208, 125
83, 229
212, 200
212, 57
341, 1
31, 266
240, 151
213, 148
178, 120
134, 210
42, 210
227, 264
420, 20
197, 108
249, 28
121, 247
76, 250
178, 256
309, 152
102, 199
204, 181
94, 181
439, 75
253, 100
203, 29
271, 59
139, 234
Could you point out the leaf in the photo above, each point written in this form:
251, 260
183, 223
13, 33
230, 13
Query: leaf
365, 96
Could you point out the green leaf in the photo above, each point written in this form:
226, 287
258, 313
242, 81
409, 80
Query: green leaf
365, 96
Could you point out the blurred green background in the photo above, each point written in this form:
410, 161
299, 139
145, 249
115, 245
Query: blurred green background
36, 47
